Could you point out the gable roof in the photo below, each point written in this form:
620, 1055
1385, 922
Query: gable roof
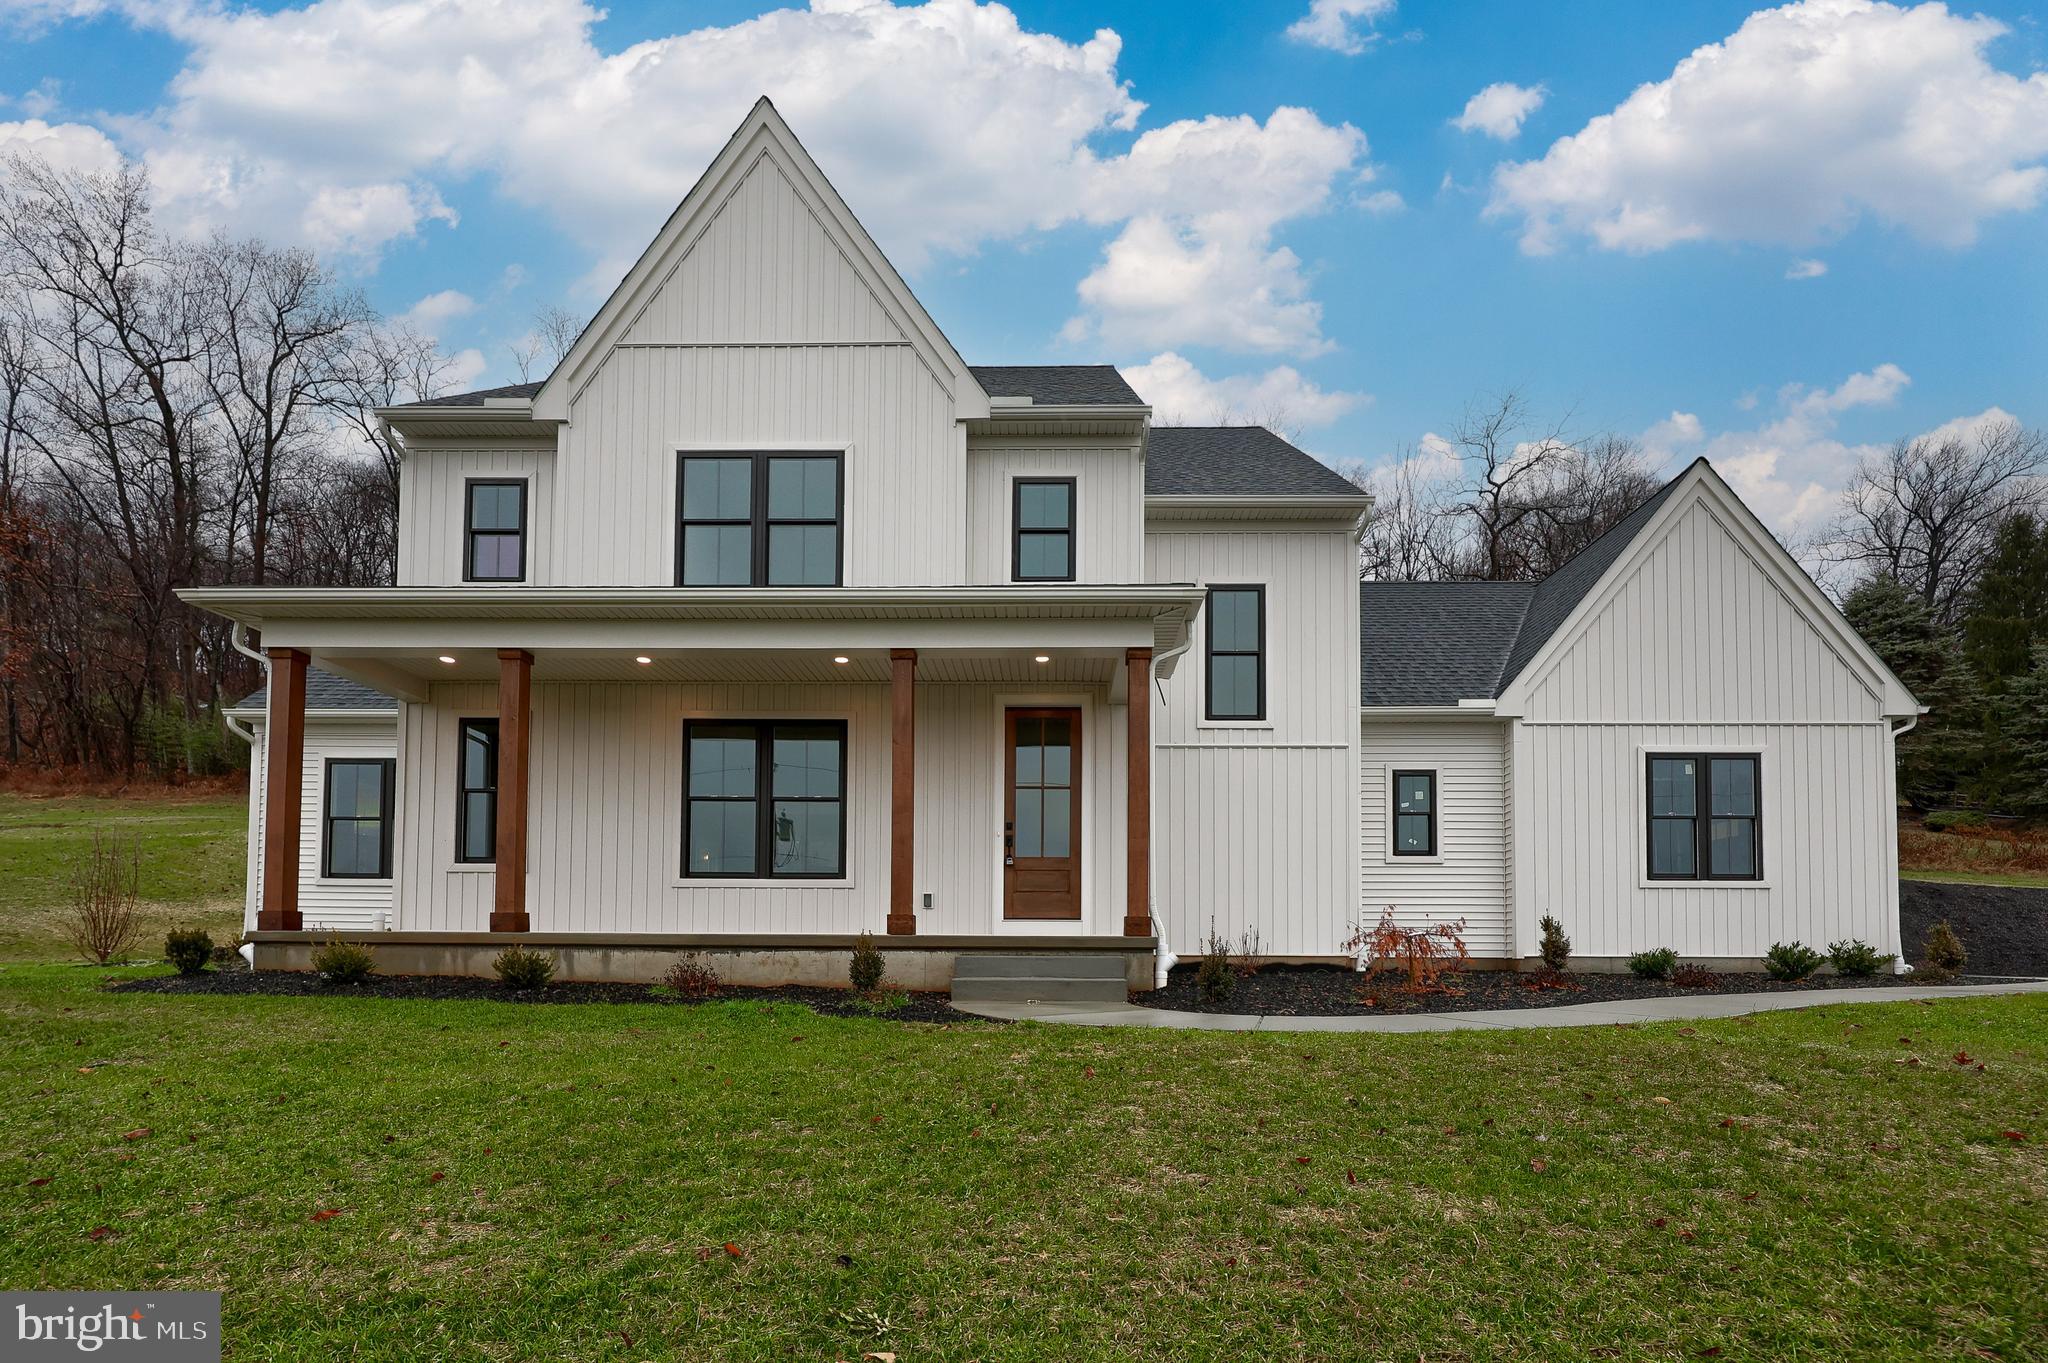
761, 133
1081, 385
1436, 643
1232, 461
476, 399
325, 691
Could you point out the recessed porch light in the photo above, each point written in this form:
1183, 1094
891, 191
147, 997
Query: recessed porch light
642, 659
446, 659
841, 659
1042, 658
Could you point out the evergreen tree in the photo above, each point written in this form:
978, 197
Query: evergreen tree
1943, 755
2023, 729
2008, 611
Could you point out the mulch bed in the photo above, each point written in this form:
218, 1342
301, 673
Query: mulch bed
1332, 991
917, 1007
2004, 929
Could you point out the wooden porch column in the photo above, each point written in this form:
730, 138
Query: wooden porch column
1138, 784
902, 789
515, 723
284, 771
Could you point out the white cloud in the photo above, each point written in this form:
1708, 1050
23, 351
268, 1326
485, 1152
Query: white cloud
1805, 120
1676, 432
947, 125
68, 146
1340, 25
1499, 109
1806, 269
434, 312
1182, 394
1380, 202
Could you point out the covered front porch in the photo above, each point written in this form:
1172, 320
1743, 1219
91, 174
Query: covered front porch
762, 775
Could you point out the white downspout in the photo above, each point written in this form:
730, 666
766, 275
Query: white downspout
1163, 959
239, 637
1899, 965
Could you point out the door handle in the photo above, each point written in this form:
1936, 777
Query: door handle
1009, 844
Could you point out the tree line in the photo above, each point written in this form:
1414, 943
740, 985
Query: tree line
1937, 553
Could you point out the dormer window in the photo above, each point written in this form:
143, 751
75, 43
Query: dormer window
494, 540
1043, 530
759, 520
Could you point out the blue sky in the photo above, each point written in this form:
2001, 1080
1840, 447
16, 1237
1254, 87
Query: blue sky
1822, 227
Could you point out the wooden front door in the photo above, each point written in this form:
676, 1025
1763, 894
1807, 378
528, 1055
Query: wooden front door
1042, 814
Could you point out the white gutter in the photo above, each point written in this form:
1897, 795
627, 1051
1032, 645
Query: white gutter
239, 638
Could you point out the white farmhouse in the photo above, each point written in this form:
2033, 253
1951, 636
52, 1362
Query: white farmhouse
766, 621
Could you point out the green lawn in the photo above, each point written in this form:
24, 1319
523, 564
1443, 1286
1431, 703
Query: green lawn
191, 855
2018, 880
562, 1182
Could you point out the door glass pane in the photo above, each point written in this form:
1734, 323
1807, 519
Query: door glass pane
1030, 757
1233, 621
806, 760
1059, 753
721, 759
718, 555
1411, 833
1029, 842
1043, 506
1059, 823
1412, 793
1731, 847
803, 555
1234, 686
718, 489
479, 826
721, 837
1673, 786
1043, 555
806, 841
1671, 847
803, 489
1731, 786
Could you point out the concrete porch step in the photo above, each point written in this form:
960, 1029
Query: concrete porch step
1076, 978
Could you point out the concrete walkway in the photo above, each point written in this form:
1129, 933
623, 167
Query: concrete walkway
1682, 1009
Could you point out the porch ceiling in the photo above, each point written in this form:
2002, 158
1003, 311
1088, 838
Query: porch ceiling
863, 666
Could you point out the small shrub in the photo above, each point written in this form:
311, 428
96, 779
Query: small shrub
1791, 961
864, 971
1944, 957
518, 968
342, 962
189, 949
1556, 948
1424, 953
692, 977
1214, 979
1857, 958
227, 953
1694, 976
103, 921
1657, 964
1948, 820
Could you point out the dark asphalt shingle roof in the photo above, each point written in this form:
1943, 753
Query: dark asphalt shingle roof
1198, 461
1078, 384
476, 399
1437, 643
325, 691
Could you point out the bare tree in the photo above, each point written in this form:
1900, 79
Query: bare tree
384, 366
1408, 537
557, 329
1926, 511
1511, 467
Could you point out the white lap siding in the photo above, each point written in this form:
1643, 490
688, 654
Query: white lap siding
1468, 877
346, 903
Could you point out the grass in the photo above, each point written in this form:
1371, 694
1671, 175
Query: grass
2013, 881
192, 852
1979, 856
564, 1182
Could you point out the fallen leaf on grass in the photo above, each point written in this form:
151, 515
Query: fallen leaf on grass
1351, 1177
137, 1134
1537, 1166
1661, 1099
1301, 1159
878, 1358
37, 1182
99, 1232
436, 1176
1963, 1058
733, 1250
1881, 1148
2013, 1136
326, 1214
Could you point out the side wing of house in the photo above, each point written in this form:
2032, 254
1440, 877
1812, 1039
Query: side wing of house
1702, 751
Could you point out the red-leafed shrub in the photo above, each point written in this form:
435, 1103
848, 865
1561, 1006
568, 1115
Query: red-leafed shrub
1423, 954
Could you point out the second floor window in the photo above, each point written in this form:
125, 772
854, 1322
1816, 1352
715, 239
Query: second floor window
1043, 521
759, 520
1236, 633
494, 548
476, 810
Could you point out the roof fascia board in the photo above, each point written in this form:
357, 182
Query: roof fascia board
1223, 507
762, 129
1463, 711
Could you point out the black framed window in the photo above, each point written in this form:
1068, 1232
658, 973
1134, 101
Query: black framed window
355, 838
759, 520
1705, 813
476, 808
494, 530
1042, 516
1236, 642
764, 799
1414, 813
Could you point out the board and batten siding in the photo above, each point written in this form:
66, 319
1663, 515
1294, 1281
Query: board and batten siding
1700, 647
605, 810
1255, 826
433, 511
1109, 503
1468, 877
349, 905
